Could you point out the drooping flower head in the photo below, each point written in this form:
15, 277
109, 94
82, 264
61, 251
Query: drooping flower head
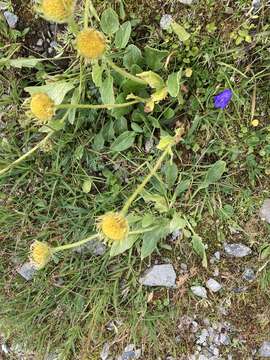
42, 107
222, 99
91, 44
41, 254
113, 227
58, 11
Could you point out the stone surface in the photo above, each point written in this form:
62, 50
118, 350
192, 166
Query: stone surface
186, 2
11, 19
237, 250
165, 21
159, 275
94, 247
130, 353
264, 350
265, 211
27, 271
256, 4
213, 285
249, 275
105, 351
199, 291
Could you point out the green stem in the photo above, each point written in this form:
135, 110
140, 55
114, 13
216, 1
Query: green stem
26, 155
73, 245
99, 106
86, 14
124, 73
145, 181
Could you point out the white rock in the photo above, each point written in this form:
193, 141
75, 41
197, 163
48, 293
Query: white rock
11, 19
165, 21
159, 275
213, 285
186, 2
237, 250
264, 350
265, 211
199, 291
105, 351
27, 271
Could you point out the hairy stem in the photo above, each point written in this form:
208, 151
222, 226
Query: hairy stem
75, 244
98, 106
124, 73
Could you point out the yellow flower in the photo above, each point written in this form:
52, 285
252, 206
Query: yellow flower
40, 254
255, 122
91, 44
42, 107
57, 10
113, 227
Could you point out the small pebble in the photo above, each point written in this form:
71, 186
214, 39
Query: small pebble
249, 275
159, 275
239, 290
165, 21
186, 2
265, 211
199, 291
27, 271
264, 350
11, 19
39, 42
224, 339
237, 250
213, 285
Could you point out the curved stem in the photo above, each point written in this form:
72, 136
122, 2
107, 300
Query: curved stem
124, 73
98, 106
145, 181
73, 245
26, 155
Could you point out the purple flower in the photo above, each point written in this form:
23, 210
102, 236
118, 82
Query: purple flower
222, 99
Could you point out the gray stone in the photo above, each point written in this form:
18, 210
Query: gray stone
159, 275
184, 267
27, 271
105, 351
186, 2
11, 19
199, 291
202, 339
39, 42
5, 348
264, 350
165, 21
256, 4
237, 250
213, 285
265, 211
130, 353
224, 339
94, 247
249, 275
239, 290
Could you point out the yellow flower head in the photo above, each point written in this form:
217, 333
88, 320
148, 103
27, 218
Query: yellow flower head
91, 44
42, 107
113, 227
255, 122
40, 254
57, 10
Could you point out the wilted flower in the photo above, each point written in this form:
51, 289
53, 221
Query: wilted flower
113, 227
42, 107
222, 99
91, 44
41, 254
58, 11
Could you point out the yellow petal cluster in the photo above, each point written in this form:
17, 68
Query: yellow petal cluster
57, 10
42, 107
91, 44
40, 254
113, 227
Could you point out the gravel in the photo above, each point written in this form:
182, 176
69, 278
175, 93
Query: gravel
199, 291
159, 275
11, 19
264, 350
27, 271
249, 275
165, 21
237, 250
130, 353
213, 285
186, 2
265, 211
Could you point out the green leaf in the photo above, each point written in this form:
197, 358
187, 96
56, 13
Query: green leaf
147, 220
97, 72
109, 22
171, 173
98, 143
199, 248
173, 83
152, 79
106, 91
124, 141
118, 113
132, 56
74, 100
151, 238
214, 174
122, 36
55, 90
177, 223
180, 31
21, 62
87, 185
154, 57
159, 201
118, 247
182, 187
